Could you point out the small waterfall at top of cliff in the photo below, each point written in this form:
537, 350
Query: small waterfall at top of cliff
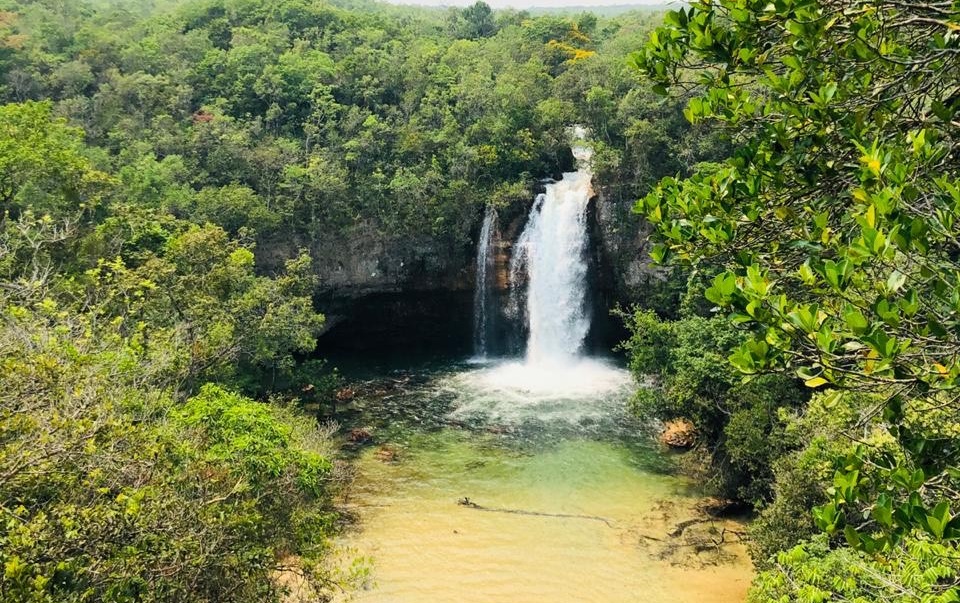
483, 310
552, 248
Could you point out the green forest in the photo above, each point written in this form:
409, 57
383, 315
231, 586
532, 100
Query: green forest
179, 180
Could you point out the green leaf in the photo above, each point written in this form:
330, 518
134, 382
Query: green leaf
828, 518
791, 61
882, 510
938, 519
856, 321
895, 281
853, 538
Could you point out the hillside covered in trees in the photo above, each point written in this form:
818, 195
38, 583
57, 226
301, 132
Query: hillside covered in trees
305, 122
149, 152
179, 179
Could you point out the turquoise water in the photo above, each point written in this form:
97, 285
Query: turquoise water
571, 499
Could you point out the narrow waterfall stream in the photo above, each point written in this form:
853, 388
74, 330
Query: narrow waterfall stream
529, 479
483, 313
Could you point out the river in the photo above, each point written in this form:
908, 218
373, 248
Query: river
570, 497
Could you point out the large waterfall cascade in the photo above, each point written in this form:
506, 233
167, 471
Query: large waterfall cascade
565, 444
548, 287
552, 249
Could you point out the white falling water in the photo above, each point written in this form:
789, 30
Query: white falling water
481, 294
555, 382
552, 248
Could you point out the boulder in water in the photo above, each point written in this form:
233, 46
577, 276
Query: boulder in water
680, 434
360, 435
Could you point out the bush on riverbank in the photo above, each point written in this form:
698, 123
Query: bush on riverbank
742, 426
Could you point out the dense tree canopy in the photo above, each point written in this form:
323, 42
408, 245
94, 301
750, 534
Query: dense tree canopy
172, 173
116, 484
318, 119
167, 171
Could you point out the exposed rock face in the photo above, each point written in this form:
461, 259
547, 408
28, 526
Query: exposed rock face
384, 292
365, 261
624, 247
501, 265
374, 288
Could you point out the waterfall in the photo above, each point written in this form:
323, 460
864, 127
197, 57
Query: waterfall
548, 280
552, 248
483, 310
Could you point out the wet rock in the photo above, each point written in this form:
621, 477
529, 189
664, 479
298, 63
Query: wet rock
624, 243
360, 435
345, 394
679, 434
722, 507
386, 454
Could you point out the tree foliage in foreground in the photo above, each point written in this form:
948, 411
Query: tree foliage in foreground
835, 225
113, 488
122, 477
112, 492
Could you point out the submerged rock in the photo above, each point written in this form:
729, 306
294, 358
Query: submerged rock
386, 454
360, 435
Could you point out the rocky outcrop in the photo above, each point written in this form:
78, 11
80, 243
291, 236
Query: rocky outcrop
365, 261
377, 287
377, 290
679, 434
624, 248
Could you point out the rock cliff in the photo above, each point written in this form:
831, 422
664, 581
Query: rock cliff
419, 290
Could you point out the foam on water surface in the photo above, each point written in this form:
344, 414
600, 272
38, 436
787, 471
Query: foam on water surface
511, 392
